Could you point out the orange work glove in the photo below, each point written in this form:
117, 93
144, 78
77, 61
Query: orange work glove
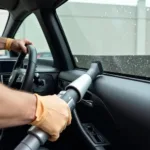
52, 115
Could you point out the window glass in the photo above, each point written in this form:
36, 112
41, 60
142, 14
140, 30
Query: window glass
116, 32
3, 20
30, 29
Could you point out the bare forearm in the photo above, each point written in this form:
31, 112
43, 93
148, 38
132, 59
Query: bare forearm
2, 43
16, 108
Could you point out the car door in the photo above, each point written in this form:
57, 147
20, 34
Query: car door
114, 113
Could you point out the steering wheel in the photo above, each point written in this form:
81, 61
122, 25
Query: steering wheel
24, 76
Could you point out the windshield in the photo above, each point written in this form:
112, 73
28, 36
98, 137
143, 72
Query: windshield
116, 32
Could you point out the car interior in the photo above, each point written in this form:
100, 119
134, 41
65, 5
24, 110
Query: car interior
114, 113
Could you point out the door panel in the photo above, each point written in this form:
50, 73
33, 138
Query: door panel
120, 110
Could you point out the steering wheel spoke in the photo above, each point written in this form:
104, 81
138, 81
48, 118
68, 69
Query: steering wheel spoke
21, 76
12, 78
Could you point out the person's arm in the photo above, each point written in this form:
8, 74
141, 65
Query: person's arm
16, 108
49, 113
2, 43
14, 45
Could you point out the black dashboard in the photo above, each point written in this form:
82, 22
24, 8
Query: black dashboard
44, 69
6, 66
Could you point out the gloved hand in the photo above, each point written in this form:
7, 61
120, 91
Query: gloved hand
52, 115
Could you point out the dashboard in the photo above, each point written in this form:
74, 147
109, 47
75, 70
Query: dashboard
6, 66
45, 71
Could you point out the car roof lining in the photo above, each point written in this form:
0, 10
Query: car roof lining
28, 4
8, 4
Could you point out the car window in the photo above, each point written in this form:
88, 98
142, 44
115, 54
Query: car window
116, 32
30, 29
3, 20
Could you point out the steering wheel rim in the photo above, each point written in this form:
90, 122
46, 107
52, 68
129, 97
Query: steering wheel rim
24, 76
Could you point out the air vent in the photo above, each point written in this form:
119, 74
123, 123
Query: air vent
5, 79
